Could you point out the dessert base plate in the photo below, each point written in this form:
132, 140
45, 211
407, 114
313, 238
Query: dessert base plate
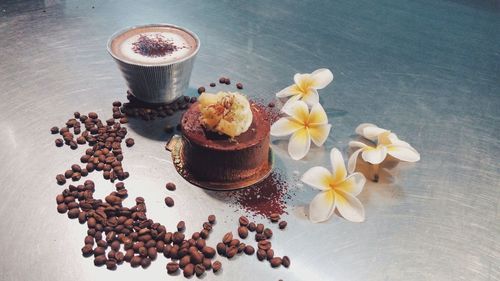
175, 146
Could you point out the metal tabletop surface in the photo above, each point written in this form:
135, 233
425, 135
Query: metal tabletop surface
428, 70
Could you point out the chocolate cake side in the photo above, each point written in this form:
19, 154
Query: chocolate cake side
210, 156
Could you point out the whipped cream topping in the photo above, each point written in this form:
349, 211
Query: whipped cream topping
225, 113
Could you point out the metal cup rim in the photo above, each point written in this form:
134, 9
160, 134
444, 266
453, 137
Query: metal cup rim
121, 31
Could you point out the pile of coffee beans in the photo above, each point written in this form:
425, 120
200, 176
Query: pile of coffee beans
147, 111
117, 234
222, 80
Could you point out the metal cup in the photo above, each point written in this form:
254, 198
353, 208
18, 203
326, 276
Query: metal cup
159, 83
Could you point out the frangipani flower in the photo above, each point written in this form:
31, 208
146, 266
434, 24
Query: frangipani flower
306, 86
387, 143
338, 191
304, 126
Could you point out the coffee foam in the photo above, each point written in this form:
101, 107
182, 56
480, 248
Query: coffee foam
122, 45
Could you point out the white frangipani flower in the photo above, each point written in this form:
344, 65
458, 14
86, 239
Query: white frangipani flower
304, 126
338, 191
386, 143
306, 86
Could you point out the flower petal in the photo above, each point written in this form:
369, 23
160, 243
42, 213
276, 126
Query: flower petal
322, 77
353, 184
338, 166
300, 78
285, 126
299, 144
318, 177
311, 97
369, 131
286, 92
290, 102
349, 206
319, 133
357, 144
322, 206
374, 155
297, 110
403, 153
317, 115
351, 164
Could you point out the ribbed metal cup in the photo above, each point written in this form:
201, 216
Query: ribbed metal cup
160, 83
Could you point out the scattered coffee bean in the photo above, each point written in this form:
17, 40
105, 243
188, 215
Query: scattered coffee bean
129, 142
136, 261
100, 260
146, 262
169, 201
285, 261
73, 213
60, 179
201, 90
243, 221
211, 219
239, 85
111, 264
243, 232
275, 262
227, 81
261, 254
268, 233
221, 248
264, 245
59, 142
271, 104
270, 254
222, 80
172, 267
227, 238
170, 186
216, 266
209, 252
249, 250
181, 226
87, 250
259, 228
188, 270
62, 208
54, 130
274, 217
212, 84
282, 224
199, 270
259, 237
231, 252
252, 226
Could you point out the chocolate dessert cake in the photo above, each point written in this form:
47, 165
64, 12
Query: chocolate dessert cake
212, 156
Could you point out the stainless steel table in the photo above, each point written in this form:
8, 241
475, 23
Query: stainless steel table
428, 70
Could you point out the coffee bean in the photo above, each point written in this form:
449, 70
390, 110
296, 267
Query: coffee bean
60, 179
243, 221
101, 243
259, 237
268, 233
261, 254
222, 80
274, 217
200, 243
199, 270
231, 252
136, 261
100, 260
239, 85
99, 251
62, 208
170, 186
207, 226
178, 237
241, 247
270, 254
129, 254
152, 253
259, 228
111, 264
212, 84
209, 252
285, 261
249, 250
207, 263
119, 256
181, 226
275, 262
172, 267
188, 270
93, 115
88, 240
201, 90
282, 224
59, 142
76, 176
54, 130
271, 104
87, 250
169, 201
221, 248
204, 234
146, 262
196, 257
211, 219
264, 245
227, 238
227, 81
216, 266
73, 213
129, 142
252, 226
242, 232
